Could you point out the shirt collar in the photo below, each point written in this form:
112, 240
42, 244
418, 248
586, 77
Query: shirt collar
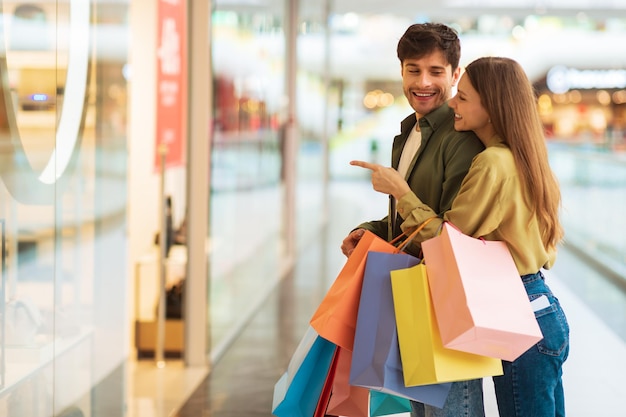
438, 116
434, 119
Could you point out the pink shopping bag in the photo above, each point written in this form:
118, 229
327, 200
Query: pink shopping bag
424, 359
479, 299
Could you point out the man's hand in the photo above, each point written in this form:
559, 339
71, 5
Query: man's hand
349, 243
385, 180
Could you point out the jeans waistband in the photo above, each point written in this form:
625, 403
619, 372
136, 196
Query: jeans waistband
532, 277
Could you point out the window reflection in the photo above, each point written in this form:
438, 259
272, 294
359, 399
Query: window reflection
62, 201
246, 162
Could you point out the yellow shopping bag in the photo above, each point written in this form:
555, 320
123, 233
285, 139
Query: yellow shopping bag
424, 358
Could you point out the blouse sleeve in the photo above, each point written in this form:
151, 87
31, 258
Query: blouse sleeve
477, 208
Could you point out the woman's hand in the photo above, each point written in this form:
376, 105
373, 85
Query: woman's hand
385, 179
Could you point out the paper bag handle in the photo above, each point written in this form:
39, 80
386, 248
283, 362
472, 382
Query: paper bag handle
414, 233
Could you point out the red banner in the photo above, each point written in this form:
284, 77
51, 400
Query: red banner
171, 112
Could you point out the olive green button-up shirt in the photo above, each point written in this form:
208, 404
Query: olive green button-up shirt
438, 167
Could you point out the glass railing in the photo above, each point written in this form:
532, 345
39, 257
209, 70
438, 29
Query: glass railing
593, 187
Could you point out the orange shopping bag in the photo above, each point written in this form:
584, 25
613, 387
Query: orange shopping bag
346, 399
335, 317
479, 299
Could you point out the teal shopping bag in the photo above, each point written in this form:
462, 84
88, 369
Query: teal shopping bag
382, 404
298, 391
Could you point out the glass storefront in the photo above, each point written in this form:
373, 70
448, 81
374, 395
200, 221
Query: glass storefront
248, 214
63, 204
246, 160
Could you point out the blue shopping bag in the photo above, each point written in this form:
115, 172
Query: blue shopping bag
382, 404
298, 391
376, 362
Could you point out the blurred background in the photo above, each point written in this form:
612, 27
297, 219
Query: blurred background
226, 127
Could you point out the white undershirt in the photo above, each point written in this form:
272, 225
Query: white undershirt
411, 146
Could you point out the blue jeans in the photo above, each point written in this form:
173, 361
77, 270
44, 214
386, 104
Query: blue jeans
532, 385
464, 400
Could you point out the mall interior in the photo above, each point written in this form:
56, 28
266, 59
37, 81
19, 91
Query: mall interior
176, 186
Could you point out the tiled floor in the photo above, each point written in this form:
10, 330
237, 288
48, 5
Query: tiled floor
242, 381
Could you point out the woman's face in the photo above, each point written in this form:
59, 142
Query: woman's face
469, 113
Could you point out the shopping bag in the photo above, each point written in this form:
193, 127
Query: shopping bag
376, 356
480, 303
376, 319
324, 399
335, 317
424, 359
382, 404
297, 392
346, 399
434, 395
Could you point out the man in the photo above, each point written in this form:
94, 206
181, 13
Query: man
432, 157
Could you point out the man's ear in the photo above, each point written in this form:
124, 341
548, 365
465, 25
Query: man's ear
456, 76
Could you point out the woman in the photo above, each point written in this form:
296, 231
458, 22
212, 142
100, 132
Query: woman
509, 194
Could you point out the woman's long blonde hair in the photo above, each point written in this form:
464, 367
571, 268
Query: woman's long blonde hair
509, 98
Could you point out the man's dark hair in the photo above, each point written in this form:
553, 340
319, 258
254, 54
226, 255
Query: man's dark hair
422, 39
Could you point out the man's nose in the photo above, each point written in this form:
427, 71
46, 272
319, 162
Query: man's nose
423, 79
